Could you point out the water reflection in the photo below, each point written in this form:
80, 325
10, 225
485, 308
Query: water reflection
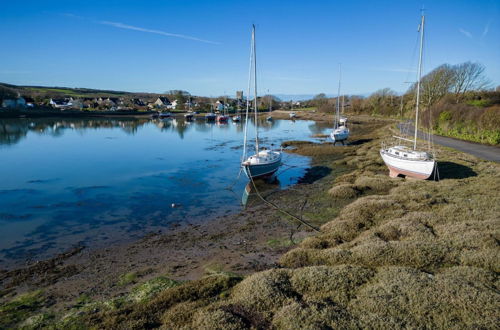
98, 181
14, 130
260, 187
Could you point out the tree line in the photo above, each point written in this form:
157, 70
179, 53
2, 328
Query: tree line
456, 83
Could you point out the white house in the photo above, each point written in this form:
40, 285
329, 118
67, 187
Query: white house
61, 103
219, 105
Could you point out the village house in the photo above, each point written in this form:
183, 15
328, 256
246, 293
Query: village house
138, 102
162, 102
219, 105
61, 103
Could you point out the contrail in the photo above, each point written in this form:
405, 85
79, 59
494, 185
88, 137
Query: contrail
163, 33
465, 33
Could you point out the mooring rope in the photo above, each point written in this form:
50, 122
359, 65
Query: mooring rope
280, 209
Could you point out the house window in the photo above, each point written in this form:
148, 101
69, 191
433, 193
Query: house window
397, 152
405, 155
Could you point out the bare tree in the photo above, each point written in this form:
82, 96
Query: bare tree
466, 77
435, 84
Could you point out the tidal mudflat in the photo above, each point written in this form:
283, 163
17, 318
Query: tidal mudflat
98, 182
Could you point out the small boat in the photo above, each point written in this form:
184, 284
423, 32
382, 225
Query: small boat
236, 119
269, 117
222, 118
292, 115
189, 115
340, 132
210, 116
264, 162
408, 161
165, 115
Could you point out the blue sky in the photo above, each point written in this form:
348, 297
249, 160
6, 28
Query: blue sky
203, 46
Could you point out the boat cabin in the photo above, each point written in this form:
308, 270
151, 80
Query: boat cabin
404, 152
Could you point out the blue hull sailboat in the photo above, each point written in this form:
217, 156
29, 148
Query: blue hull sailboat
264, 162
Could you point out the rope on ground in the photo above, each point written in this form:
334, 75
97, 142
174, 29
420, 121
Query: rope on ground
280, 209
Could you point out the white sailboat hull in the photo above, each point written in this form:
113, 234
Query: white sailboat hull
339, 134
415, 168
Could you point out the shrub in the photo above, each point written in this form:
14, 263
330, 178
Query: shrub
343, 191
336, 284
456, 298
264, 292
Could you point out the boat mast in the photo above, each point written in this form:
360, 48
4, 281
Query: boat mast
255, 91
337, 115
421, 27
270, 101
248, 101
225, 104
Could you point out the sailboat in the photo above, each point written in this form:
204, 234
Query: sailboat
189, 115
407, 161
340, 132
343, 119
292, 114
237, 118
223, 118
211, 115
264, 162
270, 118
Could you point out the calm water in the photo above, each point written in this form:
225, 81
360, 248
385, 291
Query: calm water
100, 181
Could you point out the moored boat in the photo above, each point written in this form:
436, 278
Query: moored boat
410, 161
340, 132
264, 162
269, 117
402, 160
222, 118
210, 116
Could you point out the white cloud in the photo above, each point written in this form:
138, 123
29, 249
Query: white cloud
486, 30
465, 33
163, 33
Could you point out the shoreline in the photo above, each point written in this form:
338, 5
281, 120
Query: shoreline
243, 243
378, 234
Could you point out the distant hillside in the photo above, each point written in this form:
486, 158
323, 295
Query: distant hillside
33, 91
